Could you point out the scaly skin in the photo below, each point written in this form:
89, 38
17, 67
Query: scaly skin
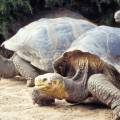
7, 68
25, 69
42, 99
107, 93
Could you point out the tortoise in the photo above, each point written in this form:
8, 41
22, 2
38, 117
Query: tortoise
88, 68
117, 16
39, 43
61, 12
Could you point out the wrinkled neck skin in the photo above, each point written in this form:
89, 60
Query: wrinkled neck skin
77, 92
76, 87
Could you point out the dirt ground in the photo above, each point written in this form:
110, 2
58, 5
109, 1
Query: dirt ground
16, 104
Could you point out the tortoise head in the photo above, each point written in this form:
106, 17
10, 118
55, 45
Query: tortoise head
51, 84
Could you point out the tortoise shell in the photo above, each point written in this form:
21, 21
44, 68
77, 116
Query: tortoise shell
102, 41
42, 41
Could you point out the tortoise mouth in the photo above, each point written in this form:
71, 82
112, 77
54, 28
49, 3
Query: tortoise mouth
54, 88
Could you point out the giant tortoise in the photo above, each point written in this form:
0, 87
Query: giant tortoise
117, 16
38, 44
89, 68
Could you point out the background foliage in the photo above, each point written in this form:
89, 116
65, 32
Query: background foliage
10, 12
13, 14
16, 13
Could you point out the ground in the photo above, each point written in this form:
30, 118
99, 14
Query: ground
16, 104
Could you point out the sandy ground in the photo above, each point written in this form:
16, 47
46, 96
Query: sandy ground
16, 104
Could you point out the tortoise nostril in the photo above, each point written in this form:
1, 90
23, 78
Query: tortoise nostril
44, 79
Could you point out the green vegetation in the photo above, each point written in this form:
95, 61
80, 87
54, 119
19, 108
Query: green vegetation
60, 3
10, 12
99, 3
16, 11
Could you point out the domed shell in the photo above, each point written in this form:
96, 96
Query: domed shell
42, 41
117, 16
102, 41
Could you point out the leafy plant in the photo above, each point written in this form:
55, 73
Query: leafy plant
61, 3
7, 6
10, 12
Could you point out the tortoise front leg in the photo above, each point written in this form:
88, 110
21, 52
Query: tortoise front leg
26, 70
41, 98
29, 73
100, 87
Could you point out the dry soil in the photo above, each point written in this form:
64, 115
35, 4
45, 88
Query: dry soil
16, 104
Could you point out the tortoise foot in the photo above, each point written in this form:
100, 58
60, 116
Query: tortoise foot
116, 113
42, 99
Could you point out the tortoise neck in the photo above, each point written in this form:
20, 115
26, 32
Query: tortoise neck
76, 87
77, 91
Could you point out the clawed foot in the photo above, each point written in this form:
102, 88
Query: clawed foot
116, 113
41, 99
